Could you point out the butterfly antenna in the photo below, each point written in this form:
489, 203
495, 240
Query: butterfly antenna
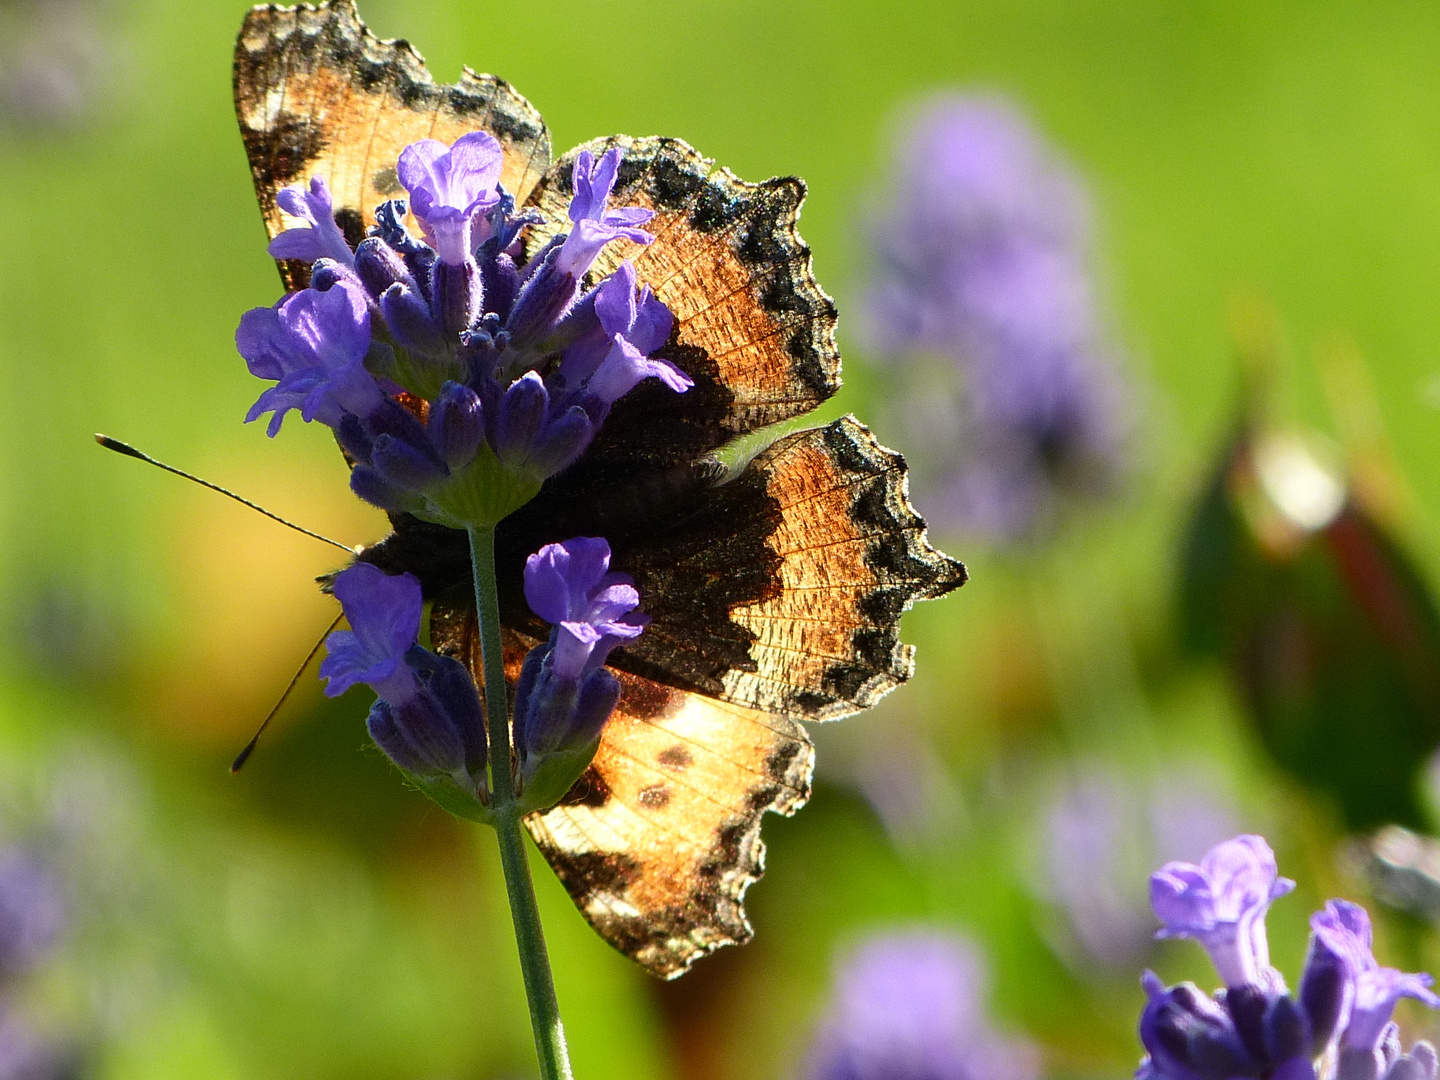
244, 755
130, 451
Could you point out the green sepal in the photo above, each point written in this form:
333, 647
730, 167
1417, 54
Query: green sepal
424, 379
554, 775
451, 797
480, 495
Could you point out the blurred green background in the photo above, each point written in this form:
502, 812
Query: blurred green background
312, 917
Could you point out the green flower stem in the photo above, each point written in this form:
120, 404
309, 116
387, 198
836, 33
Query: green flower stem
529, 937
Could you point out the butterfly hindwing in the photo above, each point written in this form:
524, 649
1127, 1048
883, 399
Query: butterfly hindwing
752, 327
659, 840
784, 592
318, 95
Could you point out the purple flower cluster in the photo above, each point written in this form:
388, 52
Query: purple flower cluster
909, 1006
1336, 1026
516, 362
980, 261
428, 718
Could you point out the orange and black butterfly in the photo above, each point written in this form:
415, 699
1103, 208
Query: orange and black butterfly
775, 586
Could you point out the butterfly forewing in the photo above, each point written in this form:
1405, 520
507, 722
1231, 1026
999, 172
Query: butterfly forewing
318, 95
752, 327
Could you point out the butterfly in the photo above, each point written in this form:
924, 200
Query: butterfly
774, 585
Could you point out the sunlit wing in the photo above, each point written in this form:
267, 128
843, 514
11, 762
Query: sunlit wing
783, 592
318, 95
660, 839
753, 328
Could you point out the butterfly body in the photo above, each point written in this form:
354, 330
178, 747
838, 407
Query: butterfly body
774, 588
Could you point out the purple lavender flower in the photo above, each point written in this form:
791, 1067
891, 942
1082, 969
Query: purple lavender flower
1343, 930
314, 344
981, 261
1222, 904
909, 1006
569, 585
565, 694
450, 188
428, 718
537, 359
32, 910
612, 360
593, 224
319, 237
1336, 1028
384, 615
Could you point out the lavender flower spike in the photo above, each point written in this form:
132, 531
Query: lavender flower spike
568, 586
427, 718
384, 615
1255, 1029
1222, 904
451, 187
314, 344
1344, 929
981, 284
593, 225
565, 695
319, 237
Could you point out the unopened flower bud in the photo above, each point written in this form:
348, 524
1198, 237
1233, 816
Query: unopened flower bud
455, 296
411, 324
440, 730
379, 266
457, 424
522, 411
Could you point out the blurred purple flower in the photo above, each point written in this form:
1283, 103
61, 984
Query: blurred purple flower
981, 260
910, 1006
53, 60
1095, 855
32, 909
28, 1054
